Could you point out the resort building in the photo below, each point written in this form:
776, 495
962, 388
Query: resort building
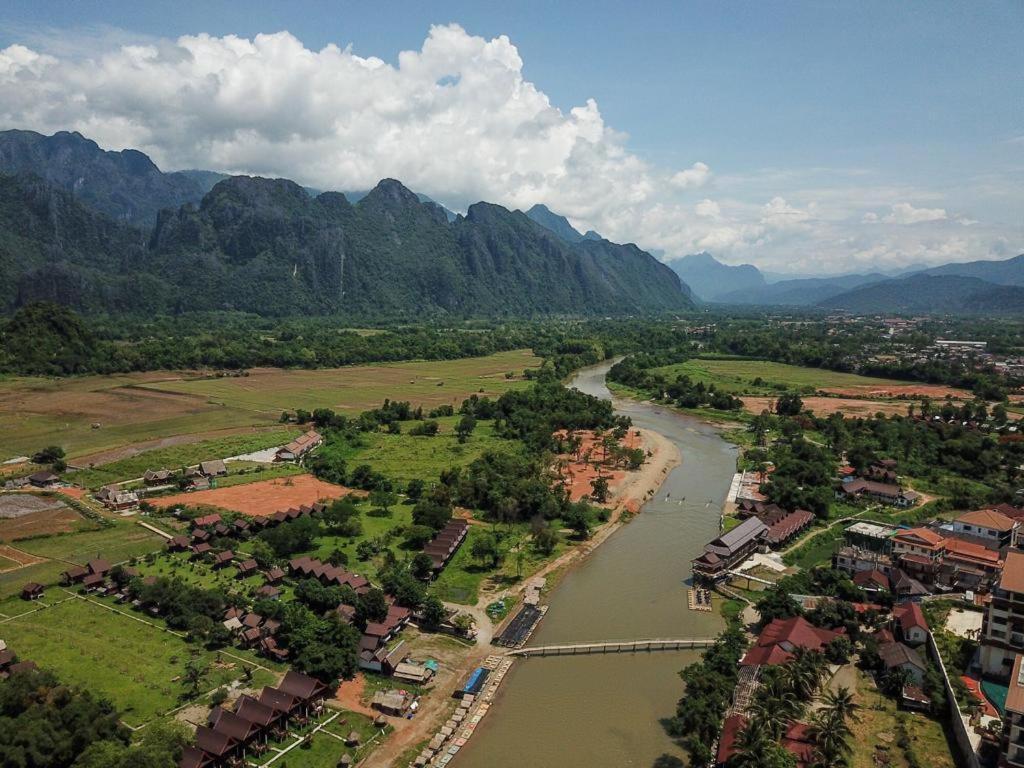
1002, 631
730, 548
1012, 742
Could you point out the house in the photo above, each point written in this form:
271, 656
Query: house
989, 525
206, 521
247, 568
274, 575
446, 543
418, 674
900, 656
1002, 630
250, 709
307, 691
268, 647
237, 728
118, 500
222, 559
268, 592
93, 582
857, 489
393, 702
298, 447
157, 476
219, 746
200, 534
781, 637
905, 587
32, 591
871, 581
197, 483
874, 537
284, 704
788, 527
178, 543
201, 549
722, 553
74, 575
193, 757
214, 468
909, 620
241, 525
44, 479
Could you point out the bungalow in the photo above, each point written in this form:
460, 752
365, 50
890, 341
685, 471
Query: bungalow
909, 620
241, 525
32, 591
200, 534
855, 490
119, 500
44, 479
247, 568
307, 691
177, 543
298, 447
268, 647
283, 703
193, 757
393, 702
871, 581
93, 582
786, 528
221, 530
274, 575
730, 548
74, 575
157, 476
219, 746
214, 468
7, 658
207, 521
201, 549
197, 483
418, 674
250, 709
268, 592
222, 559
446, 543
243, 731
900, 656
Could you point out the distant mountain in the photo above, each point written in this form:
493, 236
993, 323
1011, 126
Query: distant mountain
558, 224
267, 246
930, 294
1005, 272
126, 186
801, 292
710, 279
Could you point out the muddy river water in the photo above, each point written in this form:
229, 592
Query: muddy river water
603, 711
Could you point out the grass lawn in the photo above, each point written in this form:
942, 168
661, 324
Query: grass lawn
817, 549
327, 746
876, 733
136, 666
738, 376
178, 456
202, 574
405, 457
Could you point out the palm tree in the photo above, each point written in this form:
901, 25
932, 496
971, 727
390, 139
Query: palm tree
750, 745
830, 730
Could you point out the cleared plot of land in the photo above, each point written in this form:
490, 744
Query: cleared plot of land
268, 391
875, 733
146, 410
139, 667
824, 406
177, 456
50, 519
264, 497
119, 542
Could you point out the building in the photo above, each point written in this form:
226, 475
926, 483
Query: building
116, 499
872, 537
732, 547
299, 447
886, 493
988, 524
1012, 741
214, 468
911, 624
1002, 631
781, 637
157, 476
900, 656
32, 591
446, 543
44, 479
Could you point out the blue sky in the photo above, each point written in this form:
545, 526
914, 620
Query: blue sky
824, 136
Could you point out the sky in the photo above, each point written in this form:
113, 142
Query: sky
802, 137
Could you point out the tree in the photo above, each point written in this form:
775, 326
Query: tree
789, 404
433, 612
545, 539
599, 489
486, 549
465, 427
422, 566
776, 604
49, 455
372, 606
577, 517
414, 489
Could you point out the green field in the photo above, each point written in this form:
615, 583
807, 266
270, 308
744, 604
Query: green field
405, 457
328, 746
738, 376
178, 456
136, 666
116, 543
90, 414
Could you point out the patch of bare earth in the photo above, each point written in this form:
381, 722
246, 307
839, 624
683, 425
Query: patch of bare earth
261, 498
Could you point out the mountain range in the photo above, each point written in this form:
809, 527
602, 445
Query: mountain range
109, 232
965, 288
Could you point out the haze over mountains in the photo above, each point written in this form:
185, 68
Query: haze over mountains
965, 288
109, 232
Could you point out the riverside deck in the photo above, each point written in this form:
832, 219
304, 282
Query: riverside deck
615, 646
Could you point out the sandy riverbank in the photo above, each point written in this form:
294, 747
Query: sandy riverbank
628, 495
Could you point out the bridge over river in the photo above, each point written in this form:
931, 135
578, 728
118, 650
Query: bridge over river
615, 646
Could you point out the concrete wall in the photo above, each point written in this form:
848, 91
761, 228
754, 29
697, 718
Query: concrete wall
968, 757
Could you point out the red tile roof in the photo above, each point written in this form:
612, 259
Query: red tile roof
908, 616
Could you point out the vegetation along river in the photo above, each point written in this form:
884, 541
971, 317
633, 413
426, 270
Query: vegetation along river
603, 711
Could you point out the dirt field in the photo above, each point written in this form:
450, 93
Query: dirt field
109, 417
24, 515
261, 498
579, 474
933, 391
823, 406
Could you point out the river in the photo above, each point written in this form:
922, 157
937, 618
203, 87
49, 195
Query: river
603, 711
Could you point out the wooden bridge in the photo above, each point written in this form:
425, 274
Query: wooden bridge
615, 646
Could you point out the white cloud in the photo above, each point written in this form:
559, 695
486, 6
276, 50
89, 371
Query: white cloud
458, 121
905, 213
697, 175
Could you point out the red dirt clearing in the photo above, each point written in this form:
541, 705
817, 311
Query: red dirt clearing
261, 498
578, 473
934, 391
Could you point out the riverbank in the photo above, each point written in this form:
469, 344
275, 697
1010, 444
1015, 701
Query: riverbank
626, 499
